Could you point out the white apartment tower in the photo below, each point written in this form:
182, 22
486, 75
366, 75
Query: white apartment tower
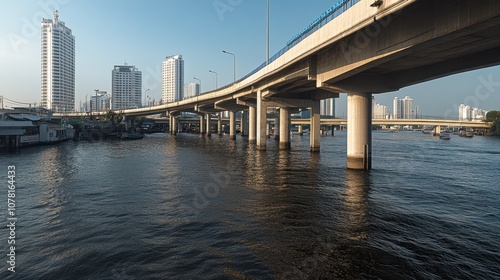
126, 83
327, 107
172, 79
403, 108
58, 66
191, 90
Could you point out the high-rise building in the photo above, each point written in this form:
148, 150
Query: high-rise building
126, 83
103, 102
58, 66
191, 90
403, 108
172, 79
327, 107
380, 111
467, 113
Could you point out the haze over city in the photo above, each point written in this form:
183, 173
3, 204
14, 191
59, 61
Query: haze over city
143, 33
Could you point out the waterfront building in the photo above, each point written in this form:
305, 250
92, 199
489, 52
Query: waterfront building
103, 102
172, 79
467, 113
57, 66
327, 107
403, 108
126, 83
191, 90
380, 111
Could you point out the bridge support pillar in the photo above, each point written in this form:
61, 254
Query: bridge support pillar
261, 122
314, 130
244, 123
209, 124
219, 123
268, 130
251, 125
284, 128
437, 130
174, 125
232, 125
276, 133
359, 131
202, 124
170, 124
300, 129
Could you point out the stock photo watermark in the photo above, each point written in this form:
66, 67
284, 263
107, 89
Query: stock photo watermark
484, 89
30, 27
222, 7
11, 217
364, 37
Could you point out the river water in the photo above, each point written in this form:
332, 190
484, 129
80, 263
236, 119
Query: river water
191, 207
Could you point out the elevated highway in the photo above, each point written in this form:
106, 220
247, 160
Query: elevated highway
359, 47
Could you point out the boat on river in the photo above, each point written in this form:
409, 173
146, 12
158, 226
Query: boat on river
131, 136
444, 136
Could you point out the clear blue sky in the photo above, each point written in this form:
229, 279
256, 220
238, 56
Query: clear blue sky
142, 33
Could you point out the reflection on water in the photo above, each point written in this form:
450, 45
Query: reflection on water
189, 207
358, 187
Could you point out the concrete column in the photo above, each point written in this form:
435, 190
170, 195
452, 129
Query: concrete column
174, 125
232, 125
300, 129
277, 127
244, 123
209, 124
333, 130
202, 124
252, 125
261, 122
437, 130
170, 124
219, 123
284, 128
314, 130
268, 129
359, 131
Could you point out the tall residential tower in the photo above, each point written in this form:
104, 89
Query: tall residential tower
58, 66
403, 108
172, 79
126, 83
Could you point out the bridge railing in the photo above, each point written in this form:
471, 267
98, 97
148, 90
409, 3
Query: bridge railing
336, 10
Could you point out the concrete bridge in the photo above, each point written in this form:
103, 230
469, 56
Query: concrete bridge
359, 47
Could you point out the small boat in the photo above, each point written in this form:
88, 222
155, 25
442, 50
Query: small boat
131, 136
444, 136
466, 134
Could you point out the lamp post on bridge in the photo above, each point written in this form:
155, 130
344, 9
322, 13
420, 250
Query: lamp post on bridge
216, 78
234, 64
145, 95
267, 35
199, 81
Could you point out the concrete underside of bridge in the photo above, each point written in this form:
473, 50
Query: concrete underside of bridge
364, 51
426, 40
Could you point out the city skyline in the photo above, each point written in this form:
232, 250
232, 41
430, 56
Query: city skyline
239, 28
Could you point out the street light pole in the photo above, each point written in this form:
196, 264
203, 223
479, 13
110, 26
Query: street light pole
145, 92
216, 78
267, 35
234, 64
199, 81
